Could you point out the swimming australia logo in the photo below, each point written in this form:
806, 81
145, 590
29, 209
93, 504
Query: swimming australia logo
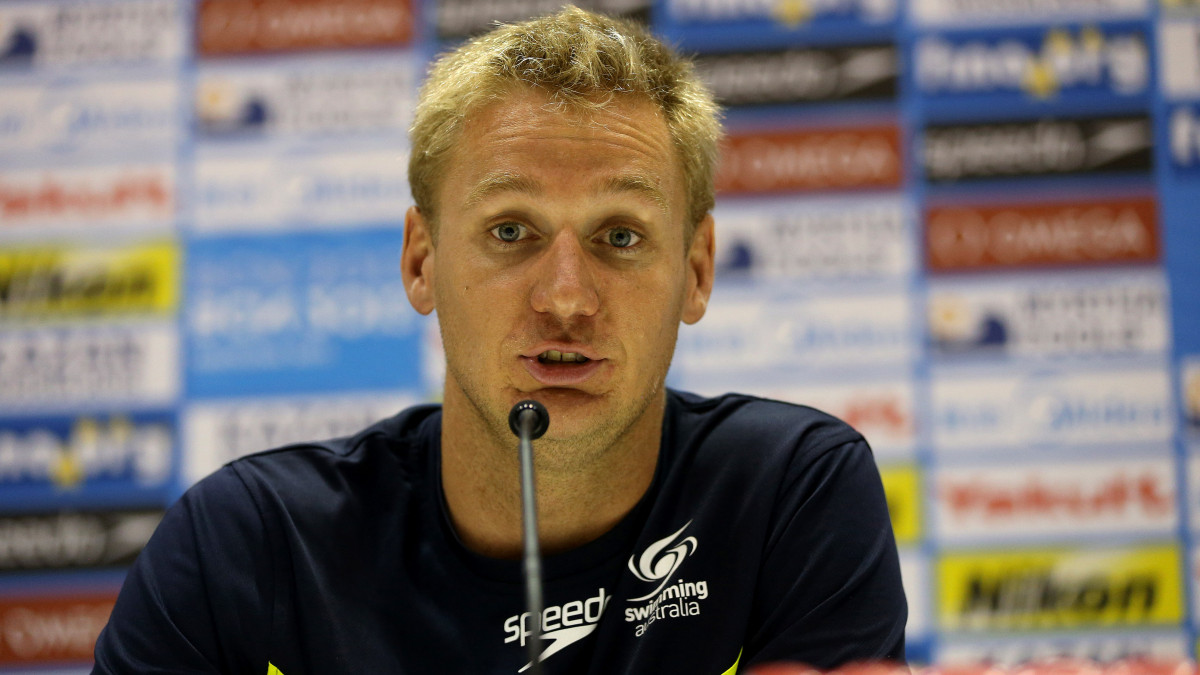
658, 565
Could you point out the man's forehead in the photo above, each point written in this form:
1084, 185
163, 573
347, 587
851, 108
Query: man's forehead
500, 182
624, 145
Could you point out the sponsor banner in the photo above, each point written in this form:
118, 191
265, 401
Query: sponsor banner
89, 198
47, 283
815, 239
109, 365
1047, 147
1183, 134
307, 312
1189, 395
1025, 65
1194, 571
52, 629
95, 117
902, 485
801, 75
307, 97
51, 460
242, 26
1049, 589
61, 34
1193, 487
880, 408
1179, 54
1040, 317
760, 330
991, 236
1164, 646
74, 540
914, 570
457, 19
820, 158
1180, 6
996, 12
268, 192
816, 15
1060, 499
217, 432
1051, 409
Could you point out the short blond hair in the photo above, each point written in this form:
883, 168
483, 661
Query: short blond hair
578, 58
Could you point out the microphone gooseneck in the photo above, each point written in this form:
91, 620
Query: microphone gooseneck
529, 420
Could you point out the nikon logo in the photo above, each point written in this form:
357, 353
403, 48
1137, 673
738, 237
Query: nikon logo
1060, 589
1039, 599
48, 282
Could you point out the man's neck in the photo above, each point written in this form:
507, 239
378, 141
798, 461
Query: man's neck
577, 500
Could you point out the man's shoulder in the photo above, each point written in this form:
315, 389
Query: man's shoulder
746, 417
388, 450
756, 437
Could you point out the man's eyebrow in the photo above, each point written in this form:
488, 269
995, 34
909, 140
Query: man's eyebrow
501, 181
641, 185
507, 181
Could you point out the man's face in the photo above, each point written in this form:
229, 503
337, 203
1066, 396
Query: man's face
560, 271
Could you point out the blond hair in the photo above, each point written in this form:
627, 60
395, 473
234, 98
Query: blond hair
579, 59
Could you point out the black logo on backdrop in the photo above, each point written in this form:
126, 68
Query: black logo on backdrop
69, 540
1039, 148
457, 19
801, 75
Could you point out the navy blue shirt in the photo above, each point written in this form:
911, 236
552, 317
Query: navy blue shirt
764, 535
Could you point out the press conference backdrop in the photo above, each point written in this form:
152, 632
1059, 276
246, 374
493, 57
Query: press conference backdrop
969, 227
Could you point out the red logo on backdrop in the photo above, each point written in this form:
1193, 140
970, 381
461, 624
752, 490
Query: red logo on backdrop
52, 629
1115, 496
240, 26
1064, 233
879, 412
811, 159
54, 198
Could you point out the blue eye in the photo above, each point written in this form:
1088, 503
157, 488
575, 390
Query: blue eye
509, 232
622, 238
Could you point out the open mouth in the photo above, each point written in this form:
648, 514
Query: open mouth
553, 356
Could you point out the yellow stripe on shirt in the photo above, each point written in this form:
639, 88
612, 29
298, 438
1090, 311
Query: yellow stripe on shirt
732, 669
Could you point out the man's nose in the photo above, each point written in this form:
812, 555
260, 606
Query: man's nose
566, 284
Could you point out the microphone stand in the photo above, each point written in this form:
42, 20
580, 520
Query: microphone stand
529, 420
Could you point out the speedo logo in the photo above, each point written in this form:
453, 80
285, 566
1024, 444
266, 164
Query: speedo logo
563, 625
1063, 60
657, 565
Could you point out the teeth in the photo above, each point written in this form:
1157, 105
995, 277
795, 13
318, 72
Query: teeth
561, 357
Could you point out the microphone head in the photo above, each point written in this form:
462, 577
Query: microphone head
541, 418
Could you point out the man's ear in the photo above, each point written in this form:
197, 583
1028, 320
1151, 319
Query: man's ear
416, 261
700, 261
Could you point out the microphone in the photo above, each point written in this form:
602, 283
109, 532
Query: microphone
529, 420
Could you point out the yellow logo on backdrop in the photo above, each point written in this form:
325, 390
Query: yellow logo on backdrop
902, 484
1055, 588
59, 282
1043, 75
1180, 4
792, 13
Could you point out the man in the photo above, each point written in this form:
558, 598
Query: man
562, 173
